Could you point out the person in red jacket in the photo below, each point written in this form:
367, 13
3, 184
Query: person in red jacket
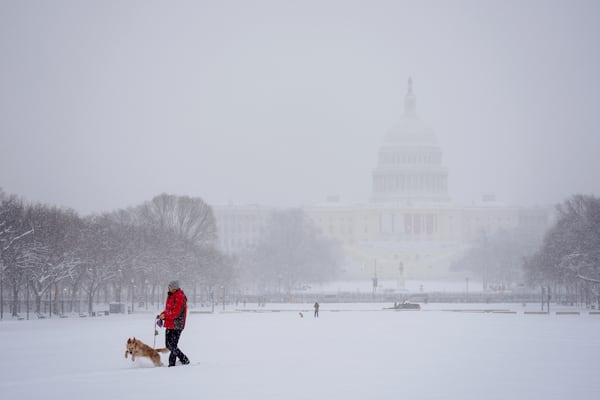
174, 316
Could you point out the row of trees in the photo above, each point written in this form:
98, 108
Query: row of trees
497, 258
54, 255
565, 258
570, 253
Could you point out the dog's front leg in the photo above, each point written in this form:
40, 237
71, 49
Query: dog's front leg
126, 353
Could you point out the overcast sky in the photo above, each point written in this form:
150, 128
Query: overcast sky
104, 104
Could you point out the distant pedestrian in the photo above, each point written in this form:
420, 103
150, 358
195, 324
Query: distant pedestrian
174, 316
316, 310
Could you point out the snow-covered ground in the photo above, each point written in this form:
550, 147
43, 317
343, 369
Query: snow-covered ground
356, 352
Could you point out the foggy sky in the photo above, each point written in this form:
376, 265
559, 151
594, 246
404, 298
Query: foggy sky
104, 104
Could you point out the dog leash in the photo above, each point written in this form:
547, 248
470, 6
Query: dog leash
157, 322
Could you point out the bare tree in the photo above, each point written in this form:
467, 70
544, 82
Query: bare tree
498, 258
14, 230
189, 217
292, 253
179, 239
52, 255
97, 257
569, 254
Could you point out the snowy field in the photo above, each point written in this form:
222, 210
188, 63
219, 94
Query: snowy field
362, 352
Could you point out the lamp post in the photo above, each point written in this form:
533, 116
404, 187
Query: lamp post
50, 302
146, 293
401, 275
119, 280
485, 260
223, 290
1, 290
27, 298
543, 295
90, 292
374, 279
132, 294
64, 294
279, 284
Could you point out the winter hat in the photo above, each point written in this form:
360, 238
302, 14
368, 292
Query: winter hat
174, 284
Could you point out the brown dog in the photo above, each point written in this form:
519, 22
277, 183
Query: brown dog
137, 348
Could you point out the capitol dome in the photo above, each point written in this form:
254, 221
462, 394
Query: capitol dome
409, 168
410, 131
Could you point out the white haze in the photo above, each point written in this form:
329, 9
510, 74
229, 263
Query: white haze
104, 104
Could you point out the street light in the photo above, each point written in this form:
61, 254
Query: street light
62, 302
1, 290
374, 279
28, 298
485, 260
119, 280
223, 289
132, 294
50, 302
146, 293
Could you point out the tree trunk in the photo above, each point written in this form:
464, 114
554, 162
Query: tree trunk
56, 300
153, 295
118, 290
90, 301
15, 302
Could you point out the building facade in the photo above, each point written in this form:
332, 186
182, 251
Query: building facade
409, 229
240, 227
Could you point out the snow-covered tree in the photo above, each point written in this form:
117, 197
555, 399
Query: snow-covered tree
498, 258
189, 217
99, 247
52, 254
14, 232
178, 240
571, 249
292, 253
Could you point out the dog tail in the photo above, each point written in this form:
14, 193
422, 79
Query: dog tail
163, 350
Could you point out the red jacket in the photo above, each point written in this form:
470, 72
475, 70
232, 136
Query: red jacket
175, 310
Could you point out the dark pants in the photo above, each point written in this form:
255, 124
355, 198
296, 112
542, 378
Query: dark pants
171, 341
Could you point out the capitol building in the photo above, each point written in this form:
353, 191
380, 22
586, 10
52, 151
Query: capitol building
409, 229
